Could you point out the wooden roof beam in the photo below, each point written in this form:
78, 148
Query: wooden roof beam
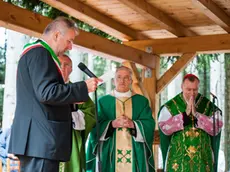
174, 70
27, 22
175, 46
118, 52
214, 12
154, 13
96, 19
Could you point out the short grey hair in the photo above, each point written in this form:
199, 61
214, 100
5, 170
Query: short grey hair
124, 68
61, 23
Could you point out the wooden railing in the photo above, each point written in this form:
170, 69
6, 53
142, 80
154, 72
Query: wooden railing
156, 137
0, 165
10, 165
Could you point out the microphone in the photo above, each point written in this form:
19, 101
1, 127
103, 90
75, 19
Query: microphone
84, 68
213, 95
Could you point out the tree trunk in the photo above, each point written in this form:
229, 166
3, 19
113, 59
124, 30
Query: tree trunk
203, 63
108, 83
227, 112
15, 44
76, 57
205, 77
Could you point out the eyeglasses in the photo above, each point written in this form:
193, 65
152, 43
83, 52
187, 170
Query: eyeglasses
64, 65
126, 78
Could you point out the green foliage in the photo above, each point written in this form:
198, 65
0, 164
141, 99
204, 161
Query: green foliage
2, 78
1, 105
201, 64
227, 112
99, 65
203, 68
165, 60
2, 65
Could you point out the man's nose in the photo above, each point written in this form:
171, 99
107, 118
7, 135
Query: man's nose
193, 93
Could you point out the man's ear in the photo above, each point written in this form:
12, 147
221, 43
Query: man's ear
56, 35
131, 81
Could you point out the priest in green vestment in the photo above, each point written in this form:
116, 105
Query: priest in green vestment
126, 130
190, 126
83, 119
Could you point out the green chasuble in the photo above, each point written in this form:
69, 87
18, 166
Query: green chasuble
140, 156
189, 150
77, 161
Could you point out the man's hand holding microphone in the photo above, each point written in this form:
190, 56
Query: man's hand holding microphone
93, 81
92, 84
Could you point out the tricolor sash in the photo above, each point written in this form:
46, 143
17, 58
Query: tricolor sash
41, 43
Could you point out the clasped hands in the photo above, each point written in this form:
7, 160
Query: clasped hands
123, 122
191, 109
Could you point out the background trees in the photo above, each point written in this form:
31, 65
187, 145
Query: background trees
201, 65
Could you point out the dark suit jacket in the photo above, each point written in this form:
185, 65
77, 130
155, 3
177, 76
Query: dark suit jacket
42, 123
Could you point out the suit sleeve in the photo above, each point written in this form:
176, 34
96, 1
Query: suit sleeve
46, 79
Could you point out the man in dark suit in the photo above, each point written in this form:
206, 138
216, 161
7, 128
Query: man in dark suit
41, 131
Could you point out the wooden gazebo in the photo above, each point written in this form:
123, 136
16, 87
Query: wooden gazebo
148, 29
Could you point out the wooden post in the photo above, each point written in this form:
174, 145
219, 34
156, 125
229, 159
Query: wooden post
150, 84
7, 165
0, 165
12, 165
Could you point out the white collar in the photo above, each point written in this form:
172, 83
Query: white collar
120, 94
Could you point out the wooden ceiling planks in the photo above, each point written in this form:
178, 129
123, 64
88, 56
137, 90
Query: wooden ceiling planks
184, 11
224, 4
127, 23
214, 12
122, 13
165, 21
95, 18
208, 30
136, 26
158, 34
27, 22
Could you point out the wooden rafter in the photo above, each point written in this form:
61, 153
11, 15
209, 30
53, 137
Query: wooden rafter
154, 13
175, 69
214, 12
172, 46
27, 22
114, 51
89, 15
